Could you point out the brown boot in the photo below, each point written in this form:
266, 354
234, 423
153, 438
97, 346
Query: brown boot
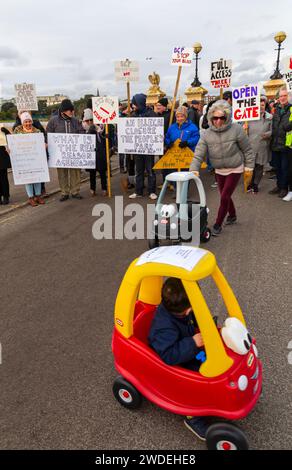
32, 202
40, 200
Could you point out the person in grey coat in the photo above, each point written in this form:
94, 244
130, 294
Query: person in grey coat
230, 155
259, 134
65, 123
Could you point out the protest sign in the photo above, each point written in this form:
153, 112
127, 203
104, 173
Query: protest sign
141, 136
71, 150
105, 109
182, 56
175, 157
246, 103
221, 71
127, 70
28, 158
2, 137
287, 75
26, 99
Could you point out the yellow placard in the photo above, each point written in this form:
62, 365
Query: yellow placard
175, 158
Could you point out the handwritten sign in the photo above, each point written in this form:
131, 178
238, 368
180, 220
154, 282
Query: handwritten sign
105, 110
28, 158
141, 136
182, 56
71, 150
221, 71
246, 103
180, 256
175, 157
287, 75
26, 98
127, 70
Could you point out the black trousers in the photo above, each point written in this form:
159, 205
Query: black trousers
103, 181
4, 184
290, 169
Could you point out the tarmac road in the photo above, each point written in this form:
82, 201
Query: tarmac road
58, 287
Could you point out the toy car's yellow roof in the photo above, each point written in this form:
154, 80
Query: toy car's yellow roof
188, 263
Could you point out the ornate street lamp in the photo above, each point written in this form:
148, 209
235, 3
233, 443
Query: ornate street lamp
197, 49
279, 38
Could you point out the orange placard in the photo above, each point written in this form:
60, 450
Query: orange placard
175, 158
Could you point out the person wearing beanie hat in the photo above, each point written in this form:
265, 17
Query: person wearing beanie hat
65, 123
87, 115
183, 130
33, 190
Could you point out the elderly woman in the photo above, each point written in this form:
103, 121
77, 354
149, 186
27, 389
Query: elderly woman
33, 190
183, 129
230, 155
259, 133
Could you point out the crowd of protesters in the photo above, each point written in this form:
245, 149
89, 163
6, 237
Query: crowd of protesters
229, 149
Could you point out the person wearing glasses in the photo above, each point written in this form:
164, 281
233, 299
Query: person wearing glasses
230, 155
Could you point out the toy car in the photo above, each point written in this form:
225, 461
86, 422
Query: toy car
169, 218
229, 382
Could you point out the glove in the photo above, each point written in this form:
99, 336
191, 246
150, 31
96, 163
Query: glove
183, 144
247, 177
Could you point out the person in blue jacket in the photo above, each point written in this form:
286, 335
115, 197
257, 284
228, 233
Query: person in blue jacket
182, 129
173, 336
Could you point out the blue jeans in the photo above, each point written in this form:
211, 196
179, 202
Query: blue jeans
145, 162
34, 189
282, 163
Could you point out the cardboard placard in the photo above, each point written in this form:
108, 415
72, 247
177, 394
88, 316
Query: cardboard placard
72, 151
246, 103
127, 70
26, 99
287, 74
141, 136
105, 109
221, 72
175, 157
28, 158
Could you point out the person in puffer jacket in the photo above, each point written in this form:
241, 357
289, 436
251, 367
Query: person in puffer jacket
230, 154
182, 129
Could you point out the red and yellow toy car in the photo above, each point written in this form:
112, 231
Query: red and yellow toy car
228, 383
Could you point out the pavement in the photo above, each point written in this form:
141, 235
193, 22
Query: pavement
58, 289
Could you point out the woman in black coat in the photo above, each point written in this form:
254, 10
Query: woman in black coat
4, 165
100, 155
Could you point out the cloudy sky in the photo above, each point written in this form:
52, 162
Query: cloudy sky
69, 46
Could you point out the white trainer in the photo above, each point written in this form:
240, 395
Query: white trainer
153, 196
134, 195
288, 197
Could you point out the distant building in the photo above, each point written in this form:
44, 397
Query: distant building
54, 100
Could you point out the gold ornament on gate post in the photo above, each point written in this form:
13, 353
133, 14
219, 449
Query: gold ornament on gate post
154, 93
196, 91
276, 82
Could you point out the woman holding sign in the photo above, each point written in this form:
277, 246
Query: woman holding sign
230, 155
33, 190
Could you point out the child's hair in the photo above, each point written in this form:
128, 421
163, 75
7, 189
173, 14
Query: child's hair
174, 296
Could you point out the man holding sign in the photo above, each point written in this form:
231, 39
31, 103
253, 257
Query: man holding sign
66, 123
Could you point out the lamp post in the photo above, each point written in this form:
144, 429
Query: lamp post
197, 49
279, 38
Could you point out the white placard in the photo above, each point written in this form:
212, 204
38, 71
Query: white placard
221, 72
105, 109
127, 70
178, 256
287, 75
141, 136
28, 158
246, 102
72, 150
182, 56
26, 98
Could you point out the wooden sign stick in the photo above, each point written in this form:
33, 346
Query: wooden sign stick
175, 94
109, 190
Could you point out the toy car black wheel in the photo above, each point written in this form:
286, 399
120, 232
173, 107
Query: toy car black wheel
225, 436
126, 394
206, 235
153, 243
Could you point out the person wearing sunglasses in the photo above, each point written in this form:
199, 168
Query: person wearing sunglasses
230, 155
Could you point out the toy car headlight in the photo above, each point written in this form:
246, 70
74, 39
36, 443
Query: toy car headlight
236, 336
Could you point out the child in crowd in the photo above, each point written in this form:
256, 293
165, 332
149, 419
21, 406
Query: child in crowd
173, 336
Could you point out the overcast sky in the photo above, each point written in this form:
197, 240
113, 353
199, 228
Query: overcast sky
69, 46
